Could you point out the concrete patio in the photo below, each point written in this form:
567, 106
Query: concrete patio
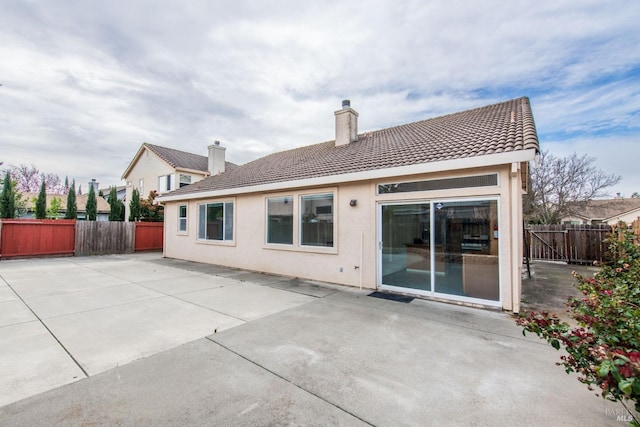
142, 340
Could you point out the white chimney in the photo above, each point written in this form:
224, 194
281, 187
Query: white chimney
216, 158
346, 124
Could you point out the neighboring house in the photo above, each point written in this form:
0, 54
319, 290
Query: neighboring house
162, 169
121, 192
605, 211
432, 208
103, 207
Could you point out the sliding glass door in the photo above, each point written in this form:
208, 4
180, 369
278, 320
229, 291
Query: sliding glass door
442, 248
405, 257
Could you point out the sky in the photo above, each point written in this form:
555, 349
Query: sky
85, 83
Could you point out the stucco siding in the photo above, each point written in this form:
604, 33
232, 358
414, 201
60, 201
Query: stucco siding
353, 259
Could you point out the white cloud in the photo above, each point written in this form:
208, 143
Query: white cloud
93, 80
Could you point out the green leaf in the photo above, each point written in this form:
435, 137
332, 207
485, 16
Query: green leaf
604, 369
625, 386
555, 344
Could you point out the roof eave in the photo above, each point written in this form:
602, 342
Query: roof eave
421, 168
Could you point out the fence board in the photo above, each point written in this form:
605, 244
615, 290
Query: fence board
36, 237
102, 237
149, 236
580, 244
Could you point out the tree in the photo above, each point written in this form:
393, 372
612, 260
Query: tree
7, 198
635, 195
150, 211
116, 212
41, 202
92, 205
604, 348
54, 208
134, 206
558, 184
29, 178
72, 207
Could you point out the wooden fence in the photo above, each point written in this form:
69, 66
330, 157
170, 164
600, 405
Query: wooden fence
149, 236
635, 226
101, 237
575, 244
30, 238
36, 237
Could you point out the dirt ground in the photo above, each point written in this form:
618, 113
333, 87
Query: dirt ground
550, 285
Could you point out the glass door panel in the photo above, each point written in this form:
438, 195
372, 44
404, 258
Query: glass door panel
406, 254
466, 249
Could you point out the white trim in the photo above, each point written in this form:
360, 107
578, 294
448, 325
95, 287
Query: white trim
432, 292
446, 165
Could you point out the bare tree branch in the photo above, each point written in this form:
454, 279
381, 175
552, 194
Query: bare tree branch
557, 184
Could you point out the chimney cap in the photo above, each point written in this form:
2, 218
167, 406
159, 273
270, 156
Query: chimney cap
346, 103
216, 143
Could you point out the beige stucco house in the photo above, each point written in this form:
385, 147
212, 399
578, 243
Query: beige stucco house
431, 208
162, 169
604, 211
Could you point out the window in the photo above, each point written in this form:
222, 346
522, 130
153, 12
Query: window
215, 221
440, 184
141, 187
280, 220
182, 218
164, 183
316, 220
184, 180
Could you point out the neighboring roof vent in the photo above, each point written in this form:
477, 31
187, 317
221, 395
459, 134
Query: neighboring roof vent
346, 124
216, 158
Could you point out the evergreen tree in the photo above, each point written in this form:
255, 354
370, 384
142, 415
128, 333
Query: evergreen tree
7, 199
92, 205
72, 207
134, 206
115, 213
41, 202
54, 208
66, 184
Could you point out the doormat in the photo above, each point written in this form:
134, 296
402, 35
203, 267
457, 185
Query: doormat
392, 297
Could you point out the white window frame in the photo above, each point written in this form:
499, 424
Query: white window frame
289, 199
333, 218
225, 221
164, 183
180, 183
183, 219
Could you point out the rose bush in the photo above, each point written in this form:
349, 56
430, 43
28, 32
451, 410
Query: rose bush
604, 347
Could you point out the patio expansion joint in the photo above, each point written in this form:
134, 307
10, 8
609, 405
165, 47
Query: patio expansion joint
47, 328
175, 296
290, 382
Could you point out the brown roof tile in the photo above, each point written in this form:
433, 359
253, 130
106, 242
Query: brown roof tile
604, 209
81, 202
182, 159
472, 133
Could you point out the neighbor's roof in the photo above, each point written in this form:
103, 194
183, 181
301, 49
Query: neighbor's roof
500, 128
177, 159
604, 209
81, 202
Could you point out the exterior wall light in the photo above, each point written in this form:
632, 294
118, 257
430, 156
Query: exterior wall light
353, 202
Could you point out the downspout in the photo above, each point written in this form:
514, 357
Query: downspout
516, 232
361, 247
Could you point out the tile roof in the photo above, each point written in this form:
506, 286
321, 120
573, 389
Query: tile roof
604, 209
503, 127
183, 160
81, 202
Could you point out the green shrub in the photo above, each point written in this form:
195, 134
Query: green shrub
604, 349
